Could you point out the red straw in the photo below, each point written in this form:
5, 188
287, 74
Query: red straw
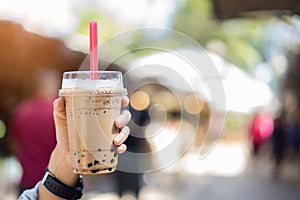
93, 50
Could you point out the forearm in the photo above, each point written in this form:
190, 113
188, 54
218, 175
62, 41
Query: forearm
60, 167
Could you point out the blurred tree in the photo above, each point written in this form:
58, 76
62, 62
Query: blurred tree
244, 38
247, 41
105, 24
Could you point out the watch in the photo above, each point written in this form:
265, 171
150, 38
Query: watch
60, 189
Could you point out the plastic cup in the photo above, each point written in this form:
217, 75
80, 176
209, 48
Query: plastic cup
92, 105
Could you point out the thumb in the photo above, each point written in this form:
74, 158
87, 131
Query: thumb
60, 120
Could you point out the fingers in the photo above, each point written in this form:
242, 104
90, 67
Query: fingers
60, 119
123, 119
120, 122
122, 136
125, 101
121, 149
59, 108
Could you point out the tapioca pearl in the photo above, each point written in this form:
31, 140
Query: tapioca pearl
82, 155
95, 170
105, 155
109, 169
89, 165
104, 111
75, 153
78, 161
96, 162
99, 149
115, 154
112, 160
103, 161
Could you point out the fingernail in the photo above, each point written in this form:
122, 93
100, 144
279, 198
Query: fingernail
119, 138
120, 120
121, 149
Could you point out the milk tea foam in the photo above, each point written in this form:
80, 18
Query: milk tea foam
91, 108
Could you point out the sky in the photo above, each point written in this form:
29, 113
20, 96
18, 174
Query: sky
58, 17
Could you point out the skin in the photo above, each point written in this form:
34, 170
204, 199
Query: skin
60, 160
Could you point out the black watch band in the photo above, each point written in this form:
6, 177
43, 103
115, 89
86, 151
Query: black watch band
60, 189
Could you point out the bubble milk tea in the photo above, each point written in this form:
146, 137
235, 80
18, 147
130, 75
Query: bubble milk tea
91, 108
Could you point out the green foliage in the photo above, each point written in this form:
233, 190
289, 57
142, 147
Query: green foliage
244, 38
194, 20
106, 27
236, 121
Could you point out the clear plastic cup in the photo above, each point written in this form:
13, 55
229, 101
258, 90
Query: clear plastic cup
93, 101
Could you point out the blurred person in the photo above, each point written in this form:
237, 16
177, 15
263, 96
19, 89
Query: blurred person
128, 182
32, 129
292, 134
279, 141
261, 128
59, 170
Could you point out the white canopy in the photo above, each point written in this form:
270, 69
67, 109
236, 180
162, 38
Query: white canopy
198, 72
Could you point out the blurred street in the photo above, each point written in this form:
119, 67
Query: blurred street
251, 180
255, 181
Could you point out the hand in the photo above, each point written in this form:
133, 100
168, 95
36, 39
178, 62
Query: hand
60, 161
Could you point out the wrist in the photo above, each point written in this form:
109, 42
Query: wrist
53, 188
60, 167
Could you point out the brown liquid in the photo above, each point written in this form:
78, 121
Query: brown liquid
91, 130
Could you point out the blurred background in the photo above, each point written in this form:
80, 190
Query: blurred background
254, 45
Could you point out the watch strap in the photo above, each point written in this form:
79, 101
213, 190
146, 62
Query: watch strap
60, 189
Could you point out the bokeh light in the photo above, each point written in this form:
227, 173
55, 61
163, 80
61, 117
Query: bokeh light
139, 100
193, 104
